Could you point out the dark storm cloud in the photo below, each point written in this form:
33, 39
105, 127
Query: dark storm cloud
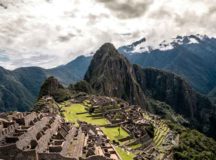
127, 9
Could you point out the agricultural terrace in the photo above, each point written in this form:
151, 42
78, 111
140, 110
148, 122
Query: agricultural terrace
74, 112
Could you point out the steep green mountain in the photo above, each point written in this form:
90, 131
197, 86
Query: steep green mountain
31, 78
19, 88
53, 88
111, 74
12, 92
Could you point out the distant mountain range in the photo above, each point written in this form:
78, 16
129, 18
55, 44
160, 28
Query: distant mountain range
192, 57
19, 88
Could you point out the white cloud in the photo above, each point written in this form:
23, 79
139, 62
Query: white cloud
48, 33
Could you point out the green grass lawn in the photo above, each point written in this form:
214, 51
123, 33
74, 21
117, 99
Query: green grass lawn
113, 133
70, 114
124, 154
135, 146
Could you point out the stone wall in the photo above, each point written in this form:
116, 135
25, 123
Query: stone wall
53, 156
6, 131
26, 138
32, 136
44, 140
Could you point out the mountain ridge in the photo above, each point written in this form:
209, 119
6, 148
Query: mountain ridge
197, 69
26, 81
195, 62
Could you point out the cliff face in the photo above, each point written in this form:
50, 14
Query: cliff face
173, 90
111, 74
169, 88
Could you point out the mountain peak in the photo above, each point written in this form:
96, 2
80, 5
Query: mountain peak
111, 74
139, 41
50, 85
107, 46
144, 46
181, 40
107, 49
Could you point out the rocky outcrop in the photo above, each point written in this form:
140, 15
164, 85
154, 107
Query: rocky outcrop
111, 74
52, 87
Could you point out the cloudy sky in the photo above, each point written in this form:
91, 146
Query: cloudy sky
48, 33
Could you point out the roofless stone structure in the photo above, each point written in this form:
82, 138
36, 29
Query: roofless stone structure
42, 136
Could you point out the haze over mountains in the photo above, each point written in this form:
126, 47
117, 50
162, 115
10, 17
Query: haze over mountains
192, 57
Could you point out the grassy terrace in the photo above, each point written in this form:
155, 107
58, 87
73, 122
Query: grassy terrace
74, 112
124, 154
70, 114
161, 130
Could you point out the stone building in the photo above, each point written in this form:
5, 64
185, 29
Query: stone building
34, 136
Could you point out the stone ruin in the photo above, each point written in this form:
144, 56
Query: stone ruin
43, 136
97, 142
132, 120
